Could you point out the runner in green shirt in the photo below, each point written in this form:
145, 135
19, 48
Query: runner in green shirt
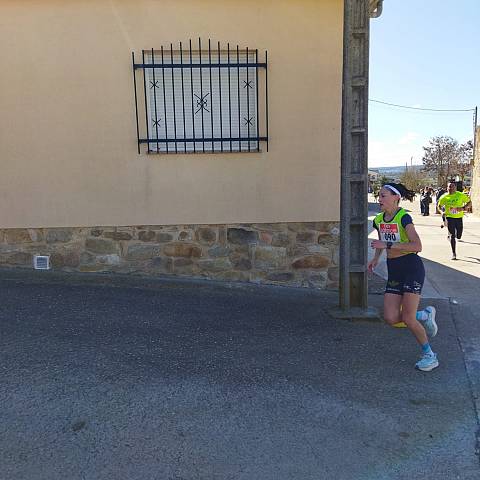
454, 204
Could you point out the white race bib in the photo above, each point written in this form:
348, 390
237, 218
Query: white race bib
389, 232
454, 211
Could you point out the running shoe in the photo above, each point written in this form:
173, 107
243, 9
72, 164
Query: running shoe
427, 363
429, 324
454, 256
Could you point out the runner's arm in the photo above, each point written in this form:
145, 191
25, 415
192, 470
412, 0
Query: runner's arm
440, 205
468, 201
378, 252
414, 244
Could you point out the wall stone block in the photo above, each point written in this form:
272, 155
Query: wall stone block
116, 235
186, 235
111, 259
325, 237
36, 234
246, 250
161, 265
17, 259
87, 258
334, 274
270, 227
311, 261
270, 257
215, 265
222, 235
182, 262
219, 251
266, 238
306, 237
59, 235
18, 235
65, 259
318, 280
297, 250
280, 240
97, 267
141, 251
241, 236
281, 277
206, 236
100, 245
182, 250
233, 276
321, 249
241, 262
147, 236
186, 267
163, 237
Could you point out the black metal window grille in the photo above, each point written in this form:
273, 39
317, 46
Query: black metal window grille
201, 100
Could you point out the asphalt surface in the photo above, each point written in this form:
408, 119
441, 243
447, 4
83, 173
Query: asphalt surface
122, 379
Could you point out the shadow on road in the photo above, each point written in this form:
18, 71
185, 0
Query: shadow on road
453, 283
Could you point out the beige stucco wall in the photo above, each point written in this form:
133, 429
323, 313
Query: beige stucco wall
68, 149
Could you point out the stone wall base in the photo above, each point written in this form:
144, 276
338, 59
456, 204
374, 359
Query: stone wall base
294, 254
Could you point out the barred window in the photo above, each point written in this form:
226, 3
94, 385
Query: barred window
201, 100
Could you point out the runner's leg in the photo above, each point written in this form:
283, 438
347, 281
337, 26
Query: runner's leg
410, 302
391, 308
451, 234
459, 228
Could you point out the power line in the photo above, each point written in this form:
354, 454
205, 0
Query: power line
424, 109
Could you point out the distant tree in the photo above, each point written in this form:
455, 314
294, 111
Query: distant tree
414, 179
441, 157
465, 160
377, 185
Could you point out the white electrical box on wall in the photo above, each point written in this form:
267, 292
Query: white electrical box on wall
41, 262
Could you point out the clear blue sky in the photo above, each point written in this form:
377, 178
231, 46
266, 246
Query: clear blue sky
423, 53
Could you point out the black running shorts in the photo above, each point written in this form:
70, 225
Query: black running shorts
455, 226
406, 274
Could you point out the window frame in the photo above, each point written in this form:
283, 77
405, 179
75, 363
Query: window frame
162, 71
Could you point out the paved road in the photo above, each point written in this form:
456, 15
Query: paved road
193, 380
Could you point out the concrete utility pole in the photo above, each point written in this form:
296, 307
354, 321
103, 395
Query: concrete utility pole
354, 163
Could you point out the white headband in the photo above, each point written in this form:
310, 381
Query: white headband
393, 189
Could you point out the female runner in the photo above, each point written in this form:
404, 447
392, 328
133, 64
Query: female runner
406, 273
